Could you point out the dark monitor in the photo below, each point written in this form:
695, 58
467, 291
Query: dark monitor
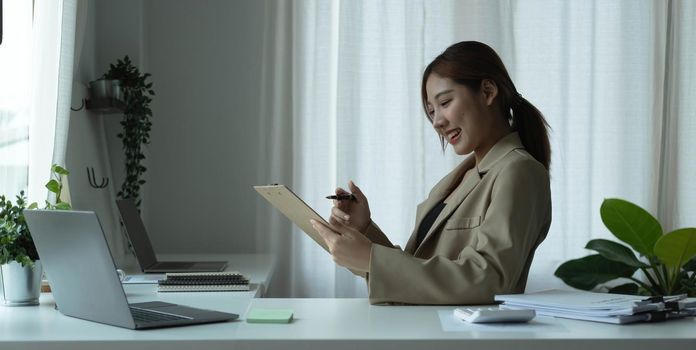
137, 234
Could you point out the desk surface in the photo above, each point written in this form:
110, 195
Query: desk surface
326, 324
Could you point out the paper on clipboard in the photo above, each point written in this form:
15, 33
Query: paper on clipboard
294, 208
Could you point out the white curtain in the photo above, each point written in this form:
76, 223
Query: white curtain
341, 101
15, 66
51, 89
273, 234
678, 168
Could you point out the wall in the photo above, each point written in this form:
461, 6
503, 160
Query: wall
204, 57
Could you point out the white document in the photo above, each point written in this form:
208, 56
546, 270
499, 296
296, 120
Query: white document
580, 302
621, 319
570, 299
581, 305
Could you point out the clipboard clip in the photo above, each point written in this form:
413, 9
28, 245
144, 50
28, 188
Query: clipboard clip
670, 302
668, 308
650, 300
665, 315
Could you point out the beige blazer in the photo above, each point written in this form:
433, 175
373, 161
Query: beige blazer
481, 244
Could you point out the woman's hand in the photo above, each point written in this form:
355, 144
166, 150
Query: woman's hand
348, 247
352, 213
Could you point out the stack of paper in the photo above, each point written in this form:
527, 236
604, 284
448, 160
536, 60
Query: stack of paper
599, 307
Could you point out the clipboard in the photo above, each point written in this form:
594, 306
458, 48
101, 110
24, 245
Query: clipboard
294, 208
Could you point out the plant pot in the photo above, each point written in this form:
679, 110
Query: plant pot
116, 91
100, 89
21, 285
106, 89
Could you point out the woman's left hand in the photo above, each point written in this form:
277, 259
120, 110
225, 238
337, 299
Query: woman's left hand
348, 246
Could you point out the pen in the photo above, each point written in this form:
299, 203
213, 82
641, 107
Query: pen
342, 197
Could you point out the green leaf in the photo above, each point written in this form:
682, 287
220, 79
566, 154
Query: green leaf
59, 170
585, 273
615, 252
53, 186
33, 206
628, 288
63, 206
631, 224
677, 247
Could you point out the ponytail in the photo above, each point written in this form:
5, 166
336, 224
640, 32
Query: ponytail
532, 127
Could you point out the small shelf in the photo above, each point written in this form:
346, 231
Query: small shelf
105, 105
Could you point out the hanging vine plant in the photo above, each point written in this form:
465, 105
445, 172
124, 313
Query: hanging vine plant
137, 92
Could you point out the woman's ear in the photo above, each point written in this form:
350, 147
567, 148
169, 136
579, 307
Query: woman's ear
489, 89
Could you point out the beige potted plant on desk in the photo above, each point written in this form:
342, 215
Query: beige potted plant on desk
21, 268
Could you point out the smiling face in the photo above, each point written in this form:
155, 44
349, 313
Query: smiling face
460, 115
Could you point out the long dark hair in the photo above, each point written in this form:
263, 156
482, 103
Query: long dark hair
469, 63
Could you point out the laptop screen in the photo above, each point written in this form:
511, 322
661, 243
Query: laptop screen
135, 229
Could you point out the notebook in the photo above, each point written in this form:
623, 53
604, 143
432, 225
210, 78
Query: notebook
83, 275
203, 282
137, 235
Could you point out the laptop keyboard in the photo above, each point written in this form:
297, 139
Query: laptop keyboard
149, 316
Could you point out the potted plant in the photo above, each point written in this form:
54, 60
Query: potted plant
21, 269
20, 265
137, 94
665, 259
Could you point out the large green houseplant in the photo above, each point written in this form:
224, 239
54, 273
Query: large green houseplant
137, 94
667, 260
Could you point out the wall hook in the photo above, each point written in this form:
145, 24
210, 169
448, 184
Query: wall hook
82, 106
93, 180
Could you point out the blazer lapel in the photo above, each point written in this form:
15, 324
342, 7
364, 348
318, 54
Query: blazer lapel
504, 146
457, 198
439, 192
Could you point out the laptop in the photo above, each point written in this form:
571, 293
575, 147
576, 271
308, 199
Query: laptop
137, 235
84, 280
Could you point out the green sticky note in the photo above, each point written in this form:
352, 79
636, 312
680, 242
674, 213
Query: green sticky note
269, 316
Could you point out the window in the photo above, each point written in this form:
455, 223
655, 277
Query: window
15, 77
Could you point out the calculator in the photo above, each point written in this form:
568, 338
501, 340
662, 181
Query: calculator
493, 315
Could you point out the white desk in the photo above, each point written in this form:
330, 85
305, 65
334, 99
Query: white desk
327, 324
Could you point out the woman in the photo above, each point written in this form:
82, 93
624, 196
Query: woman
477, 231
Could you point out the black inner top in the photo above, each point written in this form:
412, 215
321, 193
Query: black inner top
428, 222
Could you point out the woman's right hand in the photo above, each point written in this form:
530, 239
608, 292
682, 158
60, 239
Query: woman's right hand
353, 213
